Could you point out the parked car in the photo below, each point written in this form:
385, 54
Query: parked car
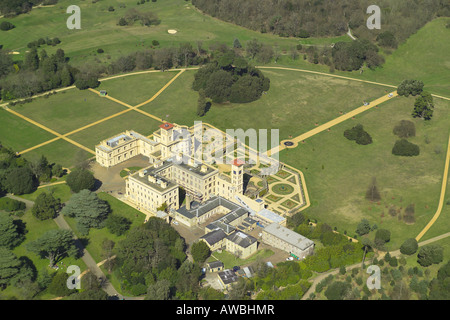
236, 268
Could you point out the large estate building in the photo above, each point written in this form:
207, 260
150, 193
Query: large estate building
213, 200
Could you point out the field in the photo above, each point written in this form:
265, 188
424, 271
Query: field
338, 171
18, 134
99, 29
301, 101
68, 110
138, 88
423, 56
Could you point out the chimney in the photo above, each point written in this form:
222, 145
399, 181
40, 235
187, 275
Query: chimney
188, 202
163, 184
151, 179
203, 168
141, 174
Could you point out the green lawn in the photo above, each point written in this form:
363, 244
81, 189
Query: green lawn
131, 120
99, 29
59, 151
69, 110
19, 134
96, 236
337, 191
423, 56
61, 191
137, 88
301, 101
36, 229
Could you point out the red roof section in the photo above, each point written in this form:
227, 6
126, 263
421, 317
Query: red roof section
238, 162
166, 126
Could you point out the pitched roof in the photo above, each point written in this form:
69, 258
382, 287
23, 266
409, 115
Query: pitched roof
241, 239
214, 236
289, 236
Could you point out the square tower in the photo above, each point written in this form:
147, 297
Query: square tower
237, 175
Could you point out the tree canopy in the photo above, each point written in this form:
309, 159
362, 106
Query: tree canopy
46, 206
230, 78
11, 234
54, 245
80, 179
88, 210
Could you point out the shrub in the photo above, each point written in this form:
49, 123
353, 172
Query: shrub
410, 87
431, 254
338, 290
6, 25
358, 134
408, 216
11, 205
80, 179
100, 50
405, 148
409, 247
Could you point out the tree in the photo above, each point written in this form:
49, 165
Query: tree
200, 251
19, 181
31, 61
9, 266
423, 106
57, 171
405, 148
66, 77
363, 227
338, 290
410, 87
253, 47
90, 294
117, 225
10, 233
11, 205
430, 254
46, 206
88, 210
41, 169
6, 25
387, 39
236, 44
409, 247
382, 236
58, 286
218, 87
85, 80
54, 245
201, 104
358, 134
159, 291
297, 219
439, 288
80, 179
